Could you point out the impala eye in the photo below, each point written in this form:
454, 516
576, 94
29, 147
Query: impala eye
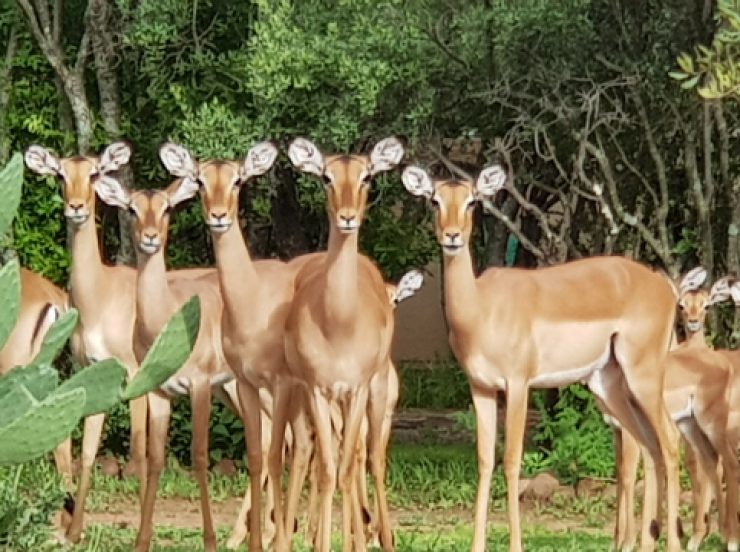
470, 205
681, 306
435, 202
326, 179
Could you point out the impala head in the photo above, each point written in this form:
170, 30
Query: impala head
79, 175
219, 182
694, 301
454, 202
406, 287
150, 210
346, 177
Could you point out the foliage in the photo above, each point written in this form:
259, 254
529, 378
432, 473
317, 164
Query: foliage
433, 385
572, 437
29, 495
714, 71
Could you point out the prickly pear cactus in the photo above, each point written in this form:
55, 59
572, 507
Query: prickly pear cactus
36, 412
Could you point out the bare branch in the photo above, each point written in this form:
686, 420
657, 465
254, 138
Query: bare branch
489, 207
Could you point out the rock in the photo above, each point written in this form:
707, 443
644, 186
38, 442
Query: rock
108, 466
541, 487
587, 487
226, 467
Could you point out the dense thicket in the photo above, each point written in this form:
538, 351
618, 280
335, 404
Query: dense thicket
609, 153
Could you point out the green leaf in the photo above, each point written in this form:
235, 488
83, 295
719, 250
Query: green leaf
56, 337
169, 352
15, 404
102, 382
690, 83
41, 428
11, 183
39, 379
10, 298
677, 75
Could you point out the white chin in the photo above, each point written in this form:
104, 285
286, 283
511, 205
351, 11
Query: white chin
77, 219
694, 327
148, 249
348, 230
219, 228
451, 251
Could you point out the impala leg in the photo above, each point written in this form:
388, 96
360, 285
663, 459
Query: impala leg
139, 407
90, 443
361, 461
280, 413
326, 467
249, 402
200, 398
379, 430
63, 462
159, 421
516, 417
732, 473
701, 496
313, 499
628, 460
302, 449
485, 404
664, 460
269, 528
352, 526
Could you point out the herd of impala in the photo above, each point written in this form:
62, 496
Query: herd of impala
300, 350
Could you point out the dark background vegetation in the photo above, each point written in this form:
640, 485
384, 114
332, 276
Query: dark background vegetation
609, 153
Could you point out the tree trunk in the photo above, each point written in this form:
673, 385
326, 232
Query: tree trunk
100, 23
288, 235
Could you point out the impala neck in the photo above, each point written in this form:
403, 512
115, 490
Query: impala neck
154, 302
340, 297
87, 266
236, 272
461, 290
696, 339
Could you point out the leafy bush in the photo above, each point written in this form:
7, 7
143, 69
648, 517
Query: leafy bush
572, 436
29, 495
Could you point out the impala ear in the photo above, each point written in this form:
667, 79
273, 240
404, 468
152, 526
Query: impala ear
41, 161
409, 284
306, 156
417, 181
693, 279
259, 160
491, 180
735, 293
112, 192
181, 190
115, 156
721, 291
385, 155
178, 161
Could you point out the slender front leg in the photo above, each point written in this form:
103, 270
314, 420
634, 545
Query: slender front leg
281, 406
352, 527
159, 421
249, 400
200, 397
379, 430
302, 449
628, 460
484, 402
516, 417
63, 462
90, 443
138, 411
701, 497
327, 469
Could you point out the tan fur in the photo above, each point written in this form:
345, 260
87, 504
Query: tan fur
337, 340
705, 378
512, 329
105, 298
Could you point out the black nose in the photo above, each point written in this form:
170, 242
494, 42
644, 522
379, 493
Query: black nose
150, 237
452, 235
347, 218
76, 206
218, 216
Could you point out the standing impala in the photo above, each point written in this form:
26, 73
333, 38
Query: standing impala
156, 301
256, 295
104, 296
338, 335
698, 393
606, 321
